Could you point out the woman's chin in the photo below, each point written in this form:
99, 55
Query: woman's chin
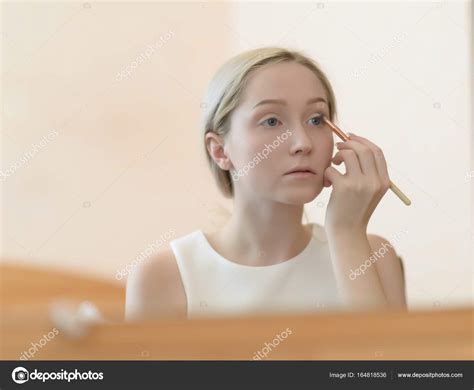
299, 196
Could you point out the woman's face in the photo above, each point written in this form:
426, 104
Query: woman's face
269, 138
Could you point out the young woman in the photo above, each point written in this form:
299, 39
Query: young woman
270, 151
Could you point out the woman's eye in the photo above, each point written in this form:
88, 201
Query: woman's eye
316, 120
272, 122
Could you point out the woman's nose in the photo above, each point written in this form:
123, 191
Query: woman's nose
300, 141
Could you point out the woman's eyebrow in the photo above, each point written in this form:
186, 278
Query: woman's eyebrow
284, 102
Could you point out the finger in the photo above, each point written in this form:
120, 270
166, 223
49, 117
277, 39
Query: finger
380, 161
350, 159
331, 175
364, 154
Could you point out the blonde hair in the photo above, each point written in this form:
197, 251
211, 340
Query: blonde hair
225, 90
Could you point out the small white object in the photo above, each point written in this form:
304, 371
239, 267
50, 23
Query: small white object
74, 320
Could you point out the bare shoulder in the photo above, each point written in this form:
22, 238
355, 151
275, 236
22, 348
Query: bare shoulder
390, 269
155, 289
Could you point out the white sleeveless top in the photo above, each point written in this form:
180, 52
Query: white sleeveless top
216, 286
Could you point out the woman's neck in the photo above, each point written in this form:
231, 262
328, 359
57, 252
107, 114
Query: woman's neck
261, 235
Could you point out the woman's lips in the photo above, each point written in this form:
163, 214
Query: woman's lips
301, 174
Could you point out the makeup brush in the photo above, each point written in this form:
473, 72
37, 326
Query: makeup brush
344, 137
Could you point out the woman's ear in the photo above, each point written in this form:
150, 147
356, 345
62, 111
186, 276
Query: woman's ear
215, 147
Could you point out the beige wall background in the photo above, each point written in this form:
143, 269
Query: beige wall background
102, 160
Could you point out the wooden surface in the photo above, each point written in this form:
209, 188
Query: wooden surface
25, 319
362, 336
23, 286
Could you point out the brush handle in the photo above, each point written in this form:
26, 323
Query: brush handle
399, 193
